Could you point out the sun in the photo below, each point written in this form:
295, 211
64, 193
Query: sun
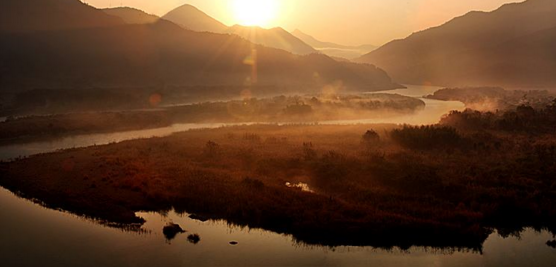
255, 12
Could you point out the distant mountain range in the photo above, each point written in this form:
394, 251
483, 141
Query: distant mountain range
332, 49
512, 46
54, 48
189, 17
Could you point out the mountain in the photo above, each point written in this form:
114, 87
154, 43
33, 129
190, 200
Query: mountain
131, 15
332, 49
511, 46
190, 17
275, 38
40, 15
162, 53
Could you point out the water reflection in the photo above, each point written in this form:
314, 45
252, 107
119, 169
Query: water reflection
54, 238
433, 112
33, 148
303, 186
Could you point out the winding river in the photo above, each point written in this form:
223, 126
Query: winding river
31, 235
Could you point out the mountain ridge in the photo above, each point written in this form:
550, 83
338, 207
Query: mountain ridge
131, 15
192, 18
457, 52
35, 15
275, 37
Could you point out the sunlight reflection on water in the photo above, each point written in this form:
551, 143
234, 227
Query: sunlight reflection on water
303, 186
27, 149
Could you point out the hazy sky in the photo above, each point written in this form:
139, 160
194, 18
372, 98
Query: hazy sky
350, 22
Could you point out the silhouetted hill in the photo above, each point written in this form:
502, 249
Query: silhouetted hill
190, 17
332, 49
162, 54
275, 38
512, 46
51, 15
131, 15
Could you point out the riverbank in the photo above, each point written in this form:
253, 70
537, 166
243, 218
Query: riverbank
381, 194
271, 110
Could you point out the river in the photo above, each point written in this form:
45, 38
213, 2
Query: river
432, 113
31, 235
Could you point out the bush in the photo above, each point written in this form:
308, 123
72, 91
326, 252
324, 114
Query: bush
426, 137
308, 152
330, 168
523, 119
212, 149
371, 137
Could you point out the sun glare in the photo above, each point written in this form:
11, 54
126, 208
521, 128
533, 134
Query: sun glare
255, 12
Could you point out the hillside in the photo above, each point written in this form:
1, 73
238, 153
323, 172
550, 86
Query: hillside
131, 15
511, 46
190, 17
275, 38
45, 15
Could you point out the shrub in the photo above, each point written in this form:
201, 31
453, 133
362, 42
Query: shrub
212, 149
331, 167
308, 152
251, 137
426, 137
371, 137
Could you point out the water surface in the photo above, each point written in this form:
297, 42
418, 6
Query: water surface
36, 236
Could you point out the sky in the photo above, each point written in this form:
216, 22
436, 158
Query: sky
349, 22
